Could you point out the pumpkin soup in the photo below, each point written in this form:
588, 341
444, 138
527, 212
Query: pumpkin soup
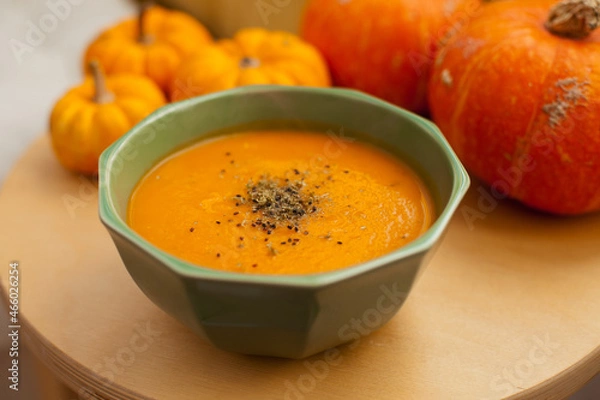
280, 202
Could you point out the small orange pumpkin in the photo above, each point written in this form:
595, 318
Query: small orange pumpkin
153, 44
517, 94
253, 56
89, 117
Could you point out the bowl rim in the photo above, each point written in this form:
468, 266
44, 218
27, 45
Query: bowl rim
110, 218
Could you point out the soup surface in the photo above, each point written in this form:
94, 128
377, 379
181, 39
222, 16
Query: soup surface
280, 202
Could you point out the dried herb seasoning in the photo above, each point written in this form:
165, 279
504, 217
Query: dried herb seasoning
280, 202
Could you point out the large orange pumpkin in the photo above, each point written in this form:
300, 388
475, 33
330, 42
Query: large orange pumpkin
253, 56
384, 47
517, 94
153, 44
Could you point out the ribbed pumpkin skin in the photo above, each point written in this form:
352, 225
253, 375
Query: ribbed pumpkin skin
81, 129
384, 47
521, 107
274, 58
173, 36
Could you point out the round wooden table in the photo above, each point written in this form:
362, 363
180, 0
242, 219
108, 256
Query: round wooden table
508, 306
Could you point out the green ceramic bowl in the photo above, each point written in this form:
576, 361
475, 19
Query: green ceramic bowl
290, 316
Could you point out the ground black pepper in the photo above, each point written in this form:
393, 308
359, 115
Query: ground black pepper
279, 201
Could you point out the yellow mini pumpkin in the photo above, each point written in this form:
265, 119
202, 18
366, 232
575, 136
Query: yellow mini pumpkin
153, 44
253, 56
89, 117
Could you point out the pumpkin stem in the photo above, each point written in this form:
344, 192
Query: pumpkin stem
101, 93
143, 36
574, 19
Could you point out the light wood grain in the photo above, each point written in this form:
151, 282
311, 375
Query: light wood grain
474, 319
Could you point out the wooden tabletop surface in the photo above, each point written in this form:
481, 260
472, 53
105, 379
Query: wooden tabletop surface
508, 306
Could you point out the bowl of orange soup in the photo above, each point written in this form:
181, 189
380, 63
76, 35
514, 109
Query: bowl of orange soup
276, 220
